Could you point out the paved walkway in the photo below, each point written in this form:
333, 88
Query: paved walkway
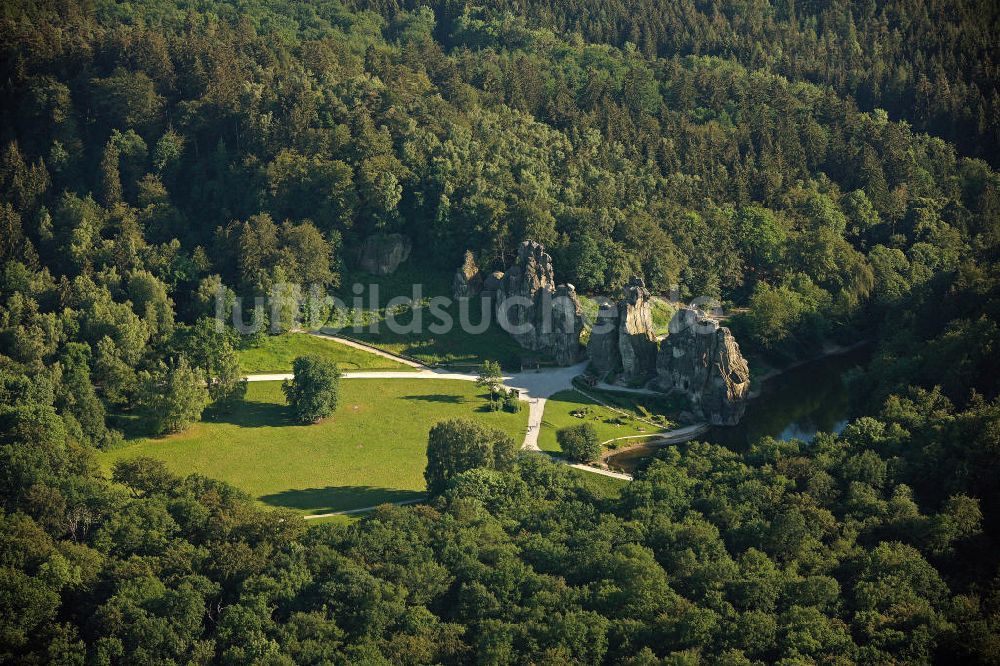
368, 348
364, 509
533, 386
603, 472
374, 374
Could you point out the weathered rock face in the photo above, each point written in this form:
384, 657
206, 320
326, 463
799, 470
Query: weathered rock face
492, 284
701, 358
381, 254
636, 340
468, 280
539, 315
602, 347
622, 340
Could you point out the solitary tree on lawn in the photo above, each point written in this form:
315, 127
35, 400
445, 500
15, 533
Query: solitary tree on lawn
458, 445
313, 392
491, 377
580, 443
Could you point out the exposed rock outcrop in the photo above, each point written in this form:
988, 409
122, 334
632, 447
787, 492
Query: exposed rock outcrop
539, 315
492, 284
622, 340
468, 281
702, 359
381, 254
602, 347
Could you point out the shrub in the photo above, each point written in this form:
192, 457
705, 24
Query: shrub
511, 403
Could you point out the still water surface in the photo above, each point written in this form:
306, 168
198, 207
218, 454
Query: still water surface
796, 404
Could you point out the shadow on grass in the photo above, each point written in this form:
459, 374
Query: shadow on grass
454, 346
436, 397
251, 415
337, 498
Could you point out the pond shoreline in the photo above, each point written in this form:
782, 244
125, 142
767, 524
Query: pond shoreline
773, 383
829, 351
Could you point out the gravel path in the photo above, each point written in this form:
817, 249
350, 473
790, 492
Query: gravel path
368, 348
364, 509
534, 387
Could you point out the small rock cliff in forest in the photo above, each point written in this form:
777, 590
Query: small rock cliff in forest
539, 314
622, 342
381, 254
702, 359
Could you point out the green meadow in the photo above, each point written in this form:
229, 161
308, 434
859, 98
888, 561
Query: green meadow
372, 450
560, 410
276, 353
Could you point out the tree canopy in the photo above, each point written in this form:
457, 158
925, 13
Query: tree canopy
314, 390
824, 169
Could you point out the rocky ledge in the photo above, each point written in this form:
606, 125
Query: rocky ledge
381, 254
539, 314
702, 359
622, 342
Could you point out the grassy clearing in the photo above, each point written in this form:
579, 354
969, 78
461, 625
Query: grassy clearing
609, 424
454, 346
607, 487
278, 351
372, 451
648, 406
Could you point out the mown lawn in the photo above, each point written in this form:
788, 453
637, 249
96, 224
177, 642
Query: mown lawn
609, 424
278, 351
372, 450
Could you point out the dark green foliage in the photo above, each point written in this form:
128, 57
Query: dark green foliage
214, 353
491, 377
457, 445
313, 393
154, 153
511, 402
174, 397
580, 443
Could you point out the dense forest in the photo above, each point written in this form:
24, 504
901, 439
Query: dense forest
823, 168
931, 63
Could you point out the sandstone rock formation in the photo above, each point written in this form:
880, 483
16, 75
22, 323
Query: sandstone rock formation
702, 359
539, 315
381, 254
602, 347
622, 340
492, 284
468, 280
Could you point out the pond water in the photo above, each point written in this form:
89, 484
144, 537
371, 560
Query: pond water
796, 404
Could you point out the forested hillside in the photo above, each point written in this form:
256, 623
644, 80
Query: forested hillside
823, 168
931, 63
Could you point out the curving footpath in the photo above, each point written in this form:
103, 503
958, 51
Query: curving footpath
368, 348
533, 386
